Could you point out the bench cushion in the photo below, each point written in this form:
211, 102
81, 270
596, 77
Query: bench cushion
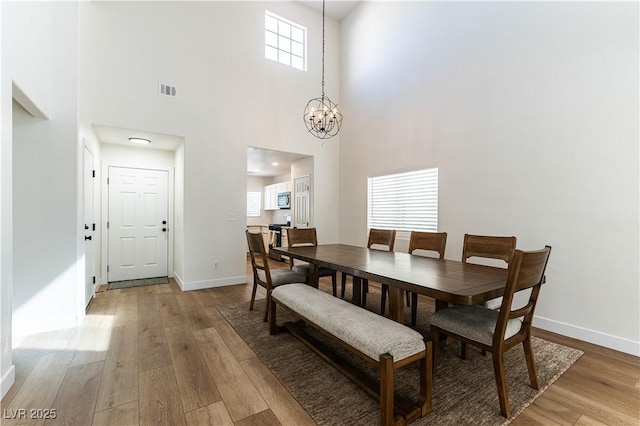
370, 333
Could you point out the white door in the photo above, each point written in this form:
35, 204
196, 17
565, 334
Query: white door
137, 224
89, 228
301, 202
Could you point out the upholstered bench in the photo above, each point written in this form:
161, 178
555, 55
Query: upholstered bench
382, 342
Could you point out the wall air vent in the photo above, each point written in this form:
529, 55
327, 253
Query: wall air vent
167, 90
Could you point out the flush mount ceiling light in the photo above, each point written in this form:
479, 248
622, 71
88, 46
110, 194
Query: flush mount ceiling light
321, 116
140, 141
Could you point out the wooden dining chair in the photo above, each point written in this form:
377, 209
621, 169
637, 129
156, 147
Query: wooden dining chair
263, 275
498, 331
379, 239
300, 237
488, 247
420, 241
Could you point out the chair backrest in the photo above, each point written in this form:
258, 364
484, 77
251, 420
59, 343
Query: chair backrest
382, 237
526, 270
259, 259
302, 237
488, 247
431, 241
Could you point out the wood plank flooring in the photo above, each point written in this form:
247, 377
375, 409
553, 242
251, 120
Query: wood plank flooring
158, 356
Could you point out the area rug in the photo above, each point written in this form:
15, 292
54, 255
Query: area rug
464, 391
137, 283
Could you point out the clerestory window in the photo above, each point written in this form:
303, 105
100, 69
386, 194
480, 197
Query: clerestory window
285, 41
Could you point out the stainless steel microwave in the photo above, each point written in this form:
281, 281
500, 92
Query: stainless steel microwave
284, 200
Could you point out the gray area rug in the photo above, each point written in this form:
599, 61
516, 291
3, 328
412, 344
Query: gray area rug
464, 392
137, 283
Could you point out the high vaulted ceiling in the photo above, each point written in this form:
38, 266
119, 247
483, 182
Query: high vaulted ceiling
335, 9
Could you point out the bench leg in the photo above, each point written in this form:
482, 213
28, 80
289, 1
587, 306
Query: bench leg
386, 390
426, 380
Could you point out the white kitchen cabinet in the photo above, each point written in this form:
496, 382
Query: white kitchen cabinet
271, 197
284, 186
271, 194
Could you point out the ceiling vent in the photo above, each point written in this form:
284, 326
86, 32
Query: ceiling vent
167, 90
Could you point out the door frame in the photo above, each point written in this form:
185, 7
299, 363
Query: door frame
104, 248
158, 230
92, 232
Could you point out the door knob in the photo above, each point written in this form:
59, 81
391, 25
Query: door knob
164, 229
87, 238
164, 222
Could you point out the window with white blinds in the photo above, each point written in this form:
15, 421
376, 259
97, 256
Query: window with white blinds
253, 204
405, 201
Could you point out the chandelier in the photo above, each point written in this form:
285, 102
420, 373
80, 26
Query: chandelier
321, 115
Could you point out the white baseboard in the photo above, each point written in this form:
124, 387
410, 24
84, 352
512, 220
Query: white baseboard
221, 282
7, 381
591, 336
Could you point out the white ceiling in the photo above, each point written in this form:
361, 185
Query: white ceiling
335, 9
260, 162
120, 136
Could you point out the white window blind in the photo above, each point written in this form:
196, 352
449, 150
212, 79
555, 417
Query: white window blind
285, 41
253, 204
404, 201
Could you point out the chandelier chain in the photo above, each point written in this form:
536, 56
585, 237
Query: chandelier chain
323, 1
321, 115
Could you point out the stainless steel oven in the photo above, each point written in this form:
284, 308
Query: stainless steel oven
275, 240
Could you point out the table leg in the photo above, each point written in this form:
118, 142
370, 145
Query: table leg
356, 291
314, 278
396, 304
441, 304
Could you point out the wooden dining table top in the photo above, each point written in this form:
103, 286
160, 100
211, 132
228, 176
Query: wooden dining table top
444, 280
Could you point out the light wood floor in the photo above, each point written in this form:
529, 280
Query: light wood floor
157, 356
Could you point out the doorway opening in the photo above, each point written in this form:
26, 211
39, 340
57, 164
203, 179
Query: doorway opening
271, 173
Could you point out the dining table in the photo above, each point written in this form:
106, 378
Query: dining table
447, 281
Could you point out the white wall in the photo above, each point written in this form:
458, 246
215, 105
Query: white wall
178, 214
7, 369
39, 69
30, 73
88, 138
530, 111
228, 97
45, 190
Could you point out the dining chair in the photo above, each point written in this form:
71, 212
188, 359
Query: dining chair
498, 331
419, 241
377, 237
263, 275
488, 247
300, 237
